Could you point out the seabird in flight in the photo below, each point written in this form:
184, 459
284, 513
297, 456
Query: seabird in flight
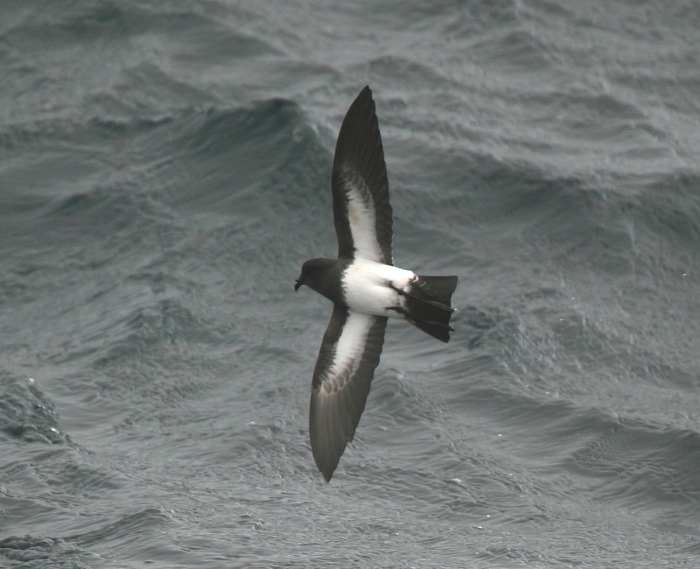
364, 286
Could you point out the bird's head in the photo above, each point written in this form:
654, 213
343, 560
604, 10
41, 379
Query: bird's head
312, 273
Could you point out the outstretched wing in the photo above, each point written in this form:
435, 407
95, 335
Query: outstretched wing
361, 209
344, 370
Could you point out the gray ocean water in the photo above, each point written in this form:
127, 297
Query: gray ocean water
164, 171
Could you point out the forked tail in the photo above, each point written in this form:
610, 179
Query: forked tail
428, 305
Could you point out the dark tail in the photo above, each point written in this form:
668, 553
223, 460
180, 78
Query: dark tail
428, 305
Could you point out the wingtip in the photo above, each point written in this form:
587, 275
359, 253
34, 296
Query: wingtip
365, 93
326, 470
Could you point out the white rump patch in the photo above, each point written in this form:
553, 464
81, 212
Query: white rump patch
362, 218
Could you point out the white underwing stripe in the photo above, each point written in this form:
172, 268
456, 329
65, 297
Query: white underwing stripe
349, 349
362, 218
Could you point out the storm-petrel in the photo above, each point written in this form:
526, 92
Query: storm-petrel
364, 285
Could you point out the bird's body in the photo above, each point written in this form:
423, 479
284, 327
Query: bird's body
364, 286
373, 288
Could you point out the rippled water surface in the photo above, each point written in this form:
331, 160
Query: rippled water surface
164, 171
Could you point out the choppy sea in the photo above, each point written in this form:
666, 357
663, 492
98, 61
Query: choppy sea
165, 170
